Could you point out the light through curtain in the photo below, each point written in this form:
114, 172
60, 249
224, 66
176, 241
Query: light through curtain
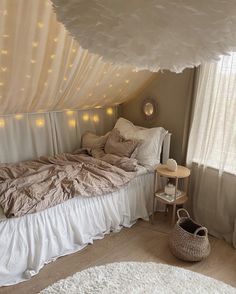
51, 90
43, 69
213, 132
212, 148
28, 136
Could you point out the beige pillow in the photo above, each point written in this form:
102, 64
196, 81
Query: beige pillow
93, 141
118, 145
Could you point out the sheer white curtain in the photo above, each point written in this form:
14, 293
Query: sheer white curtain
43, 68
212, 148
27, 136
44, 71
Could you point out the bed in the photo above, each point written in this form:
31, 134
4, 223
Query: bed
30, 241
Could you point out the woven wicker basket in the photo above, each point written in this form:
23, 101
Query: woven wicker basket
189, 240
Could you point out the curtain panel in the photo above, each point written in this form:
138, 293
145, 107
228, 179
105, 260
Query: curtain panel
28, 136
212, 149
42, 68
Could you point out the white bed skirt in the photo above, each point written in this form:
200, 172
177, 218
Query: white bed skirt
29, 242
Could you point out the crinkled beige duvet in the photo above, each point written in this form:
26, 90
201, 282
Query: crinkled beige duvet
32, 186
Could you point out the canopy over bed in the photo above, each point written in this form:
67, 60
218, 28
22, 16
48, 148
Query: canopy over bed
52, 90
42, 68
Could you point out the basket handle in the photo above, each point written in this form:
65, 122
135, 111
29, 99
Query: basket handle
185, 211
200, 229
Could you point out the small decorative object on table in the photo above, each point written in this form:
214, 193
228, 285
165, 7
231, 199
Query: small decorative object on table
189, 240
171, 195
171, 164
169, 189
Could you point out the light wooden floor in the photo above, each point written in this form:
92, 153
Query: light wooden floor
142, 242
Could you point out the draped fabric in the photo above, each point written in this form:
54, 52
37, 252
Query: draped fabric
27, 136
45, 77
42, 68
212, 148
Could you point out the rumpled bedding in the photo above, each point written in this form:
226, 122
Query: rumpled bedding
35, 185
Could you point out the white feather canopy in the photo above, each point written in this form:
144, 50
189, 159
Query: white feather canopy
152, 34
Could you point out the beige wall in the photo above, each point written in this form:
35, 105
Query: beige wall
173, 94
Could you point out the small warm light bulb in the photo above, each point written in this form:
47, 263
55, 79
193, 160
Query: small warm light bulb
40, 122
50, 70
70, 112
4, 52
52, 56
32, 61
73, 50
98, 106
72, 123
109, 111
71, 65
35, 44
18, 116
65, 78
85, 117
55, 40
96, 118
40, 24
4, 69
2, 123
127, 81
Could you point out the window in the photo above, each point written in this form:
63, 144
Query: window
212, 139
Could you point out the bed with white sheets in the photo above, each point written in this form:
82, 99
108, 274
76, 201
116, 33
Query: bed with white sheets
30, 241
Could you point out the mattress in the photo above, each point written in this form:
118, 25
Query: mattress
36, 239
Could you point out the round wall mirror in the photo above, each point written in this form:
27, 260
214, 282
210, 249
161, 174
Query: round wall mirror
149, 108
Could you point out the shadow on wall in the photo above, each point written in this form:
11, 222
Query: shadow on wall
174, 95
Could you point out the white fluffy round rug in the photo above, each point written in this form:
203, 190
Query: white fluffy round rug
138, 277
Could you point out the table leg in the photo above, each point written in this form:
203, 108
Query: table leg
173, 214
153, 209
154, 197
166, 209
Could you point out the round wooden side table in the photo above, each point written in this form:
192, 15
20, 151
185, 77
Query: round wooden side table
180, 196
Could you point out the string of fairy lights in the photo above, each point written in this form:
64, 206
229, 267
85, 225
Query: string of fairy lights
73, 117
114, 80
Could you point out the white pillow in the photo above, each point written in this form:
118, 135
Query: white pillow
149, 150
